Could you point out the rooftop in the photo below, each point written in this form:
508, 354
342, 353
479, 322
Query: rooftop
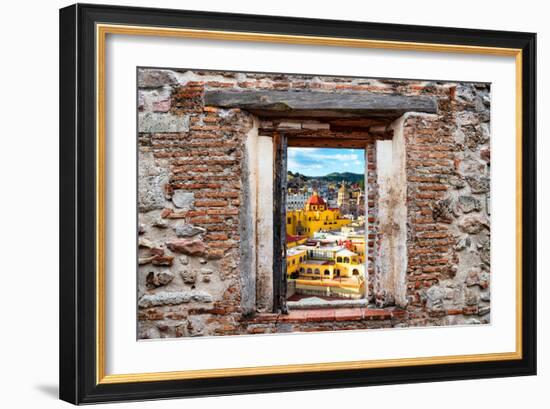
293, 251
315, 199
291, 239
346, 253
319, 262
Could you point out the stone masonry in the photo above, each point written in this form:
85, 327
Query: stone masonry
196, 230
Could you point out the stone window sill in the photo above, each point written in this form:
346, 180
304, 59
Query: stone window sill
319, 303
331, 314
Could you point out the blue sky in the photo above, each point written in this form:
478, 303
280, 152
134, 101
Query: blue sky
322, 161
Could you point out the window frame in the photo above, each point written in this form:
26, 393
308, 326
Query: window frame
281, 143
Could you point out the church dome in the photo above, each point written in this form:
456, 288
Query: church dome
315, 199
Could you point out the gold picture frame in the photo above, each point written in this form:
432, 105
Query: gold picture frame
99, 19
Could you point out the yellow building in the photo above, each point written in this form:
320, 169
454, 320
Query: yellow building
314, 217
326, 270
328, 262
294, 259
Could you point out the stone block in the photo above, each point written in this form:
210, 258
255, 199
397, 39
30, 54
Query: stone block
156, 122
479, 184
472, 225
189, 276
157, 279
152, 179
183, 199
173, 298
148, 78
190, 247
188, 230
469, 204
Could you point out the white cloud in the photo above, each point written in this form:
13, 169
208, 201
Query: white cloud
319, 156
320, 161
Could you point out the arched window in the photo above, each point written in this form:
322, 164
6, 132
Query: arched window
301, 269
327, 273
338, 259
355, 272
300, 259
309, 271
346, 259
317, 271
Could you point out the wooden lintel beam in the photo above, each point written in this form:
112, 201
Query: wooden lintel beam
310, 102
323, 133
327, 142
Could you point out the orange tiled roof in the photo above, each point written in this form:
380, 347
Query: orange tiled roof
316, 200
291, 239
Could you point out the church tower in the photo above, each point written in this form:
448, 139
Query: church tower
343, 196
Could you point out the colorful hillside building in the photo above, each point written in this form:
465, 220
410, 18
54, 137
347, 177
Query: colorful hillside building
316, 216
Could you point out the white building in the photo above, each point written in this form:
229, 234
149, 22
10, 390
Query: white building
296, 201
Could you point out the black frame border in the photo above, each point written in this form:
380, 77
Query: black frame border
78, 197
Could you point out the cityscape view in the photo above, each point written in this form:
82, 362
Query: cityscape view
325, 226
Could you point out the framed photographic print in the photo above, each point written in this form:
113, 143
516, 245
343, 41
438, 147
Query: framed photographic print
257, 203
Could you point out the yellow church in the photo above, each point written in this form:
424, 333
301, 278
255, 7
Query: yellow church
314, 217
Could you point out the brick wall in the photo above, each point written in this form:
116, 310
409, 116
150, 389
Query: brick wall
190, 199
448, 173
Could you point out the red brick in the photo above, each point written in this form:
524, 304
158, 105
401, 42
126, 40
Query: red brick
348, 314
216, 236
211, 203
322, 314
296, 315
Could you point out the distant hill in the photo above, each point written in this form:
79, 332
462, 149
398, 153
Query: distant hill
298, 180
342, 176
